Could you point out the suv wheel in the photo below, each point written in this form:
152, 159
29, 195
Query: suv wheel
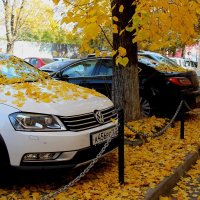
145, 107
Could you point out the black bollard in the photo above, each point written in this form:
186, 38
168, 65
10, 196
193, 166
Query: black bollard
182, 119
121, 147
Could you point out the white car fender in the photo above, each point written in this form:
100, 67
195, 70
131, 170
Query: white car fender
4, 126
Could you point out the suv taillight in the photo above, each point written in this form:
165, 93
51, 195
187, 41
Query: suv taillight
181, 81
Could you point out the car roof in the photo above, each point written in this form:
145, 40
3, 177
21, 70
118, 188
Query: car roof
58, 64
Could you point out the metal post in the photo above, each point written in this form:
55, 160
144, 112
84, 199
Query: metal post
121, 147
182, 119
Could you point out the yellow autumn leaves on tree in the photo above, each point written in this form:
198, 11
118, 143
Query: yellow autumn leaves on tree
163, 24
157, 24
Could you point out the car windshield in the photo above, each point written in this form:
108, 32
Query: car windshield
14, 70
56, 66
156, 59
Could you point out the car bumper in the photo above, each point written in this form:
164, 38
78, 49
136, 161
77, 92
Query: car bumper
82, 157
74, 148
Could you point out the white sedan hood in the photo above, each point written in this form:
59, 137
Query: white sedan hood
53, 97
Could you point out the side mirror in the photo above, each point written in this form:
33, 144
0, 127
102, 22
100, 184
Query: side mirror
58, 74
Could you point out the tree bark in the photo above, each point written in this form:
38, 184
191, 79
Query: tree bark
125, 79
12, 22
8, 27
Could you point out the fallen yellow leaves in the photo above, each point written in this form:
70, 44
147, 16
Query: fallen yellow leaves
147, 126
145, 167
21, 82
170, 69
47, 91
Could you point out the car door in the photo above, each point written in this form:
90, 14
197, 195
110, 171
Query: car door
81, 73
103, 77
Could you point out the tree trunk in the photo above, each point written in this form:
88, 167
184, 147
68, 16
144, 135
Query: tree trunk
8, 26
125, 79
12, 21
10, 47
183, 51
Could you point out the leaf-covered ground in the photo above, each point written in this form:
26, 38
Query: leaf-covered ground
145, 167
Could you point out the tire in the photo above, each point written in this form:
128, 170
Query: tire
145, 107
4, 156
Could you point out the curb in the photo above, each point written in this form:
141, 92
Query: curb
169, 182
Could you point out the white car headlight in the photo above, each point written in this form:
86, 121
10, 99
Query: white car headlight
35, 122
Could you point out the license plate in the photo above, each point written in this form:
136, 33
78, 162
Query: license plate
100, 137
198, 99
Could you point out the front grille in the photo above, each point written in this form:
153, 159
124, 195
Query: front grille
87, 121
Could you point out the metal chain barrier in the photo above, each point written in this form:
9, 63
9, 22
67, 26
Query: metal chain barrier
190, 109
143, 135
92, 163
81, 175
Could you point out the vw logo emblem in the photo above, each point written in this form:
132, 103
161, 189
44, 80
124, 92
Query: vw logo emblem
99, 117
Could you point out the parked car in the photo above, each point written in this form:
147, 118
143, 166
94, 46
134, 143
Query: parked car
153, 56
49, 123
186, 63
160, 92
190, 63
38, 62
179, 61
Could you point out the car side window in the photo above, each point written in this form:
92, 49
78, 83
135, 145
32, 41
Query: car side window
84, 68
106, 68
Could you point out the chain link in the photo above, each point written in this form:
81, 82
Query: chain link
143, 135
187, 106
190, 109
82, 174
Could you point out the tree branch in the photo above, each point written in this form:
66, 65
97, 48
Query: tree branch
12, 20
76, 5
106, 36
18, 17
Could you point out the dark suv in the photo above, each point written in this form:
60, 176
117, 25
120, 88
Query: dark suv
159, 91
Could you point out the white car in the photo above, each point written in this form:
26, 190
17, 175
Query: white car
49, 123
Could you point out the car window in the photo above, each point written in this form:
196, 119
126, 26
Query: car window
147, 60
55, 66
163, 59
85, 68
106, 68
154, 60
